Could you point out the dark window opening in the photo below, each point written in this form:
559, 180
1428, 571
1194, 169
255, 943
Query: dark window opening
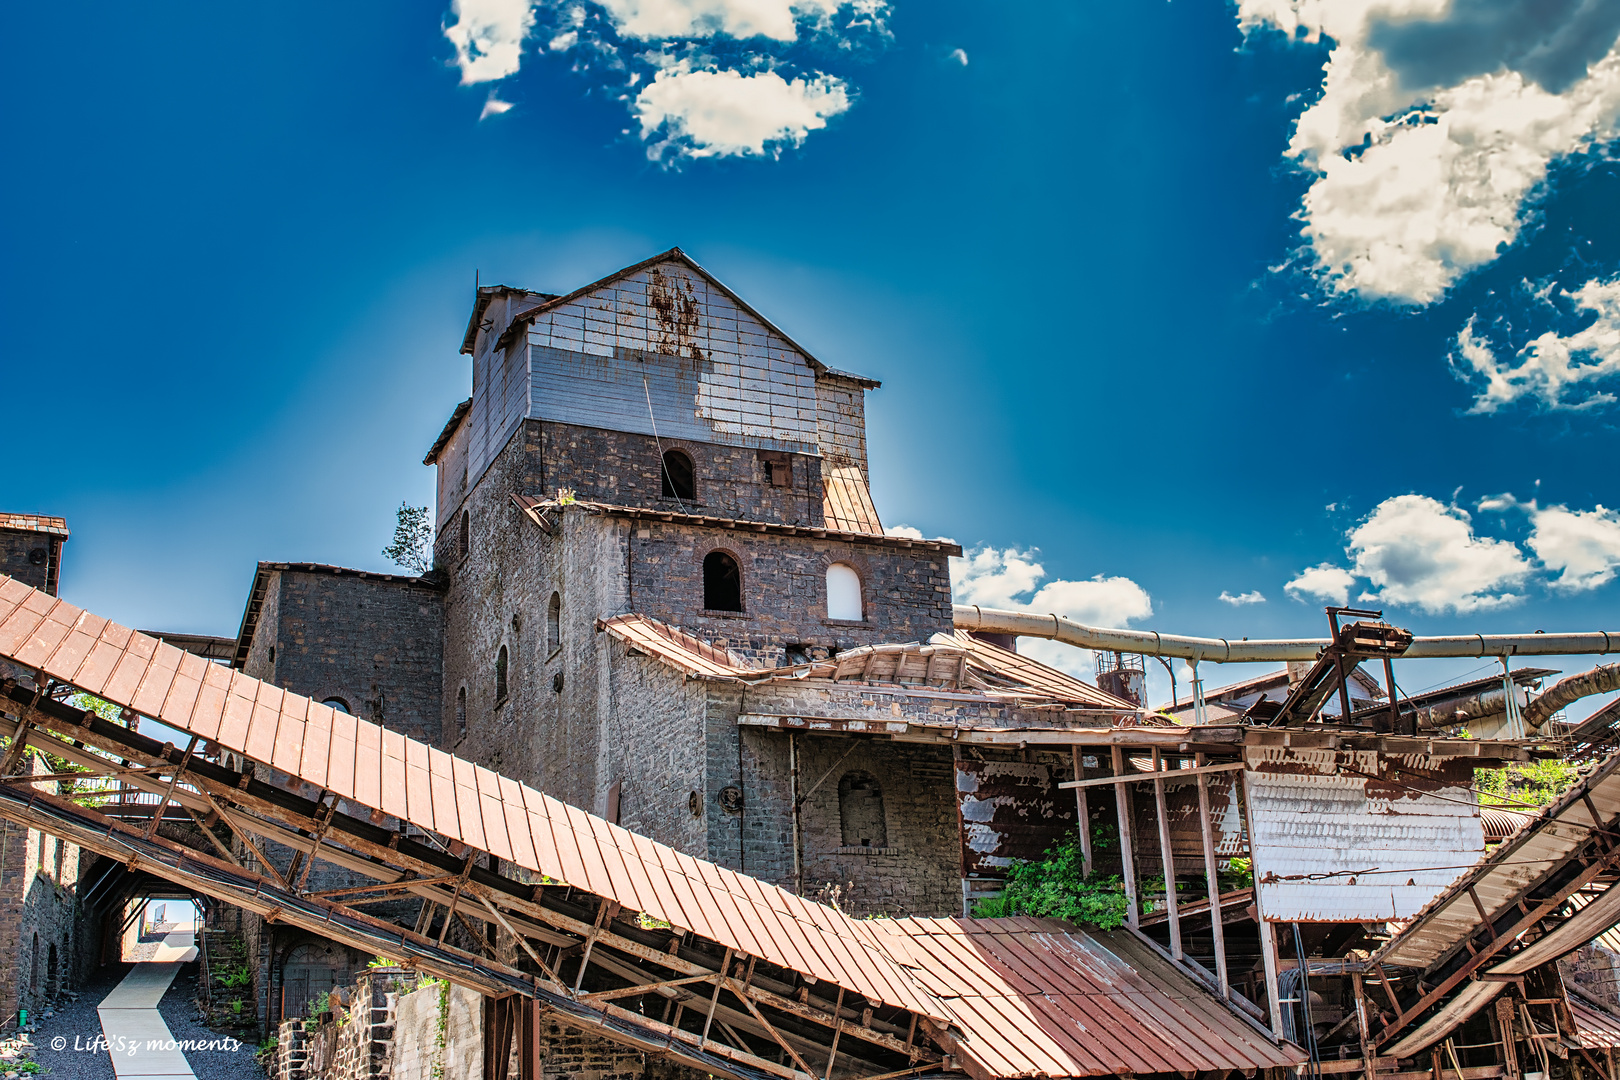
679, 476
722, 582
860, 811
466, 534
778, 468
500, 675
554, 624
461, 713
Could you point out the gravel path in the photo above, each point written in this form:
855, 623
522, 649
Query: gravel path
77, 1023
179, 1011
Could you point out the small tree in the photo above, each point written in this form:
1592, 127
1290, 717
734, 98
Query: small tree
413, 539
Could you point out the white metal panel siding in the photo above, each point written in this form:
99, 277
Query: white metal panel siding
500, 389
1311, 816
714, 372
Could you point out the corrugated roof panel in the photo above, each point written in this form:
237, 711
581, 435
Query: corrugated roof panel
289, 749
1597, 1029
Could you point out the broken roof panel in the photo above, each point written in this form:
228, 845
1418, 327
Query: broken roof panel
846, 501
1000, 667
1039, 997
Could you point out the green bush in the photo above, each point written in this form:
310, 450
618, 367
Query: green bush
1056, 887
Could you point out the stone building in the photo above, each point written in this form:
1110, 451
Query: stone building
39, 934
662, 593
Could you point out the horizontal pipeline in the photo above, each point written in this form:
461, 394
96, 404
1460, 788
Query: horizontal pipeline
1226, 651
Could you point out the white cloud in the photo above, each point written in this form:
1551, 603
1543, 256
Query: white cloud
903, 530
1418, 552
488, 36
724, 113
1011, 579
1437, 119
960, 56
1555, 371
693, 106
494, 106
1327, 583
778, 19
1242, 599
1581, 546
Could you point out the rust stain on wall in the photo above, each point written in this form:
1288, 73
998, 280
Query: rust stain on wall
1009, 810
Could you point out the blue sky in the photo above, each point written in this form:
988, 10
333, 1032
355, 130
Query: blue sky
1195, 298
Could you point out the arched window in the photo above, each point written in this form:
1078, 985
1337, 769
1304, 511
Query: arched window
860, 811
337, 703
843, 593
461, 713
50, 972
554, 624
500, 675
679, 476
722, 582
33, 976
465, 544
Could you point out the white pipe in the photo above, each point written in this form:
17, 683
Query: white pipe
1226, 651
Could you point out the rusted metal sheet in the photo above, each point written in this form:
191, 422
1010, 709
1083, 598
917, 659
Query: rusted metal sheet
71, 645
1008, 810
1350, 835
1186, 836
1042, 998
1595, 1028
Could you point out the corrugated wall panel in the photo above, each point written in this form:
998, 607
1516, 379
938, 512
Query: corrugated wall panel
1374, 838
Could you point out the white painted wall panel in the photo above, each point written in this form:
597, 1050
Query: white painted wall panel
714, 372
1313, 815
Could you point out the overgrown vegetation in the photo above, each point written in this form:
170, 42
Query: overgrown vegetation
413, 539
1526, 784
1055, 886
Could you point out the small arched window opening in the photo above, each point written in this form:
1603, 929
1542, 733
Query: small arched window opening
464, 542
500, 675
722, 582
33, 969
844, 593
461, 713
554, 624
860, 811
337, 703
50, 972
680, 476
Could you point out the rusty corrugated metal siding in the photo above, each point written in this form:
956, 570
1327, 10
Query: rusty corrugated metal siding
1413, 821
1009, 810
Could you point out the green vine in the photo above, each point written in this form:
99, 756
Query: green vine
437, 1072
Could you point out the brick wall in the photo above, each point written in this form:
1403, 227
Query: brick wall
374, 642
38, 876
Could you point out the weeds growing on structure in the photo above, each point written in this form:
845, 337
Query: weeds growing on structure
1528, 783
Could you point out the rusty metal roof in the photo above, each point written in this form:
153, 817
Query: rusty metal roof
1005, 668
39, 523
1042, 998
448, 795
674, 646
846, 501
1546, 841
1595, 1028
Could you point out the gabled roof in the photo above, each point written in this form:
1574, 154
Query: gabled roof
38, 523
676, 254
481, 300
456, 417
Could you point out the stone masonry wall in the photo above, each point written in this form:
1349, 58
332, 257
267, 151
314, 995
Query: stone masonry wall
906, 594
375, 643
17, 558
627, 469
38, 876
652, 743
547, 730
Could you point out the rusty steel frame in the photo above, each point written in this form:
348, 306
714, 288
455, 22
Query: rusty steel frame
317, 829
